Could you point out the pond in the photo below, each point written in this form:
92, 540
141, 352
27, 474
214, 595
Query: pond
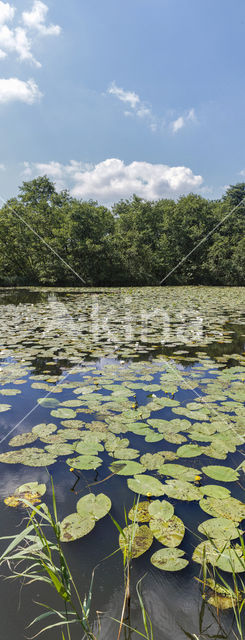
124, 392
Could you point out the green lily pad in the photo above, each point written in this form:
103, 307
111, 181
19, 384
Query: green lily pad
74, 527
232, 560
221, 555
129, 468
135, 540
179, 471
22, 439
189, 451
215, 491
161, 510
94, 506
229, 508
145, 485
84, 462
152, 461
32, 457
4, 407
223, 474
169, 559
182, 490
63, 413
48, 403
219, 528
123, 453
170, 532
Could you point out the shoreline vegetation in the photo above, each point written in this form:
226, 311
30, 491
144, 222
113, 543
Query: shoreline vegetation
52, 239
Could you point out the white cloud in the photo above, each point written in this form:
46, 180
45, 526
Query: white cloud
17, 39
13, 90
2, 167
242, 173
138, 108
112, 179
125, 96
182, 121
6, 12
35, 19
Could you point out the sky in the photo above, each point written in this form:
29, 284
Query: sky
110, 98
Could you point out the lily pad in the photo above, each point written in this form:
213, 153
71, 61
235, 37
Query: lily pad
84, 462
22, 439
170, 532
161, 510
135, 540
219, 528
128, 468
223, 474
145, 485
63, 413
31, 491
229, 508
182, 490
169, 559
140, 512
215, 491
94, 506
189, 451
179, 471
74, 527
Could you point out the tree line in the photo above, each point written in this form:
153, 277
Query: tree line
135, 243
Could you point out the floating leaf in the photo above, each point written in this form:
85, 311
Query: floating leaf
182, 490
4, 407
22, 439
129, 468
161, 510
223, 474
140, 512
74, 527
48, 403
31, 491
179, 471
63, 413
230, 508
169, 533
135, 540
84, 462
215, 491
219, 528
169, 559
145, 485
94, 506
189, 451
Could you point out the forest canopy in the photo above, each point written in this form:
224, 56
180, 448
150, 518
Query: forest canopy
135, 243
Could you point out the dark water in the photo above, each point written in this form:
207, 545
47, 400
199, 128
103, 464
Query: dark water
73, 335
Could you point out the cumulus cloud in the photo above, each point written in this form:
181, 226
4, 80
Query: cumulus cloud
35, 19
2, 167
16, 41
6, 12
112, 179
132, 100
19, 38
182, 121
13, 90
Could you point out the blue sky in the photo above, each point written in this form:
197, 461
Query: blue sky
114, 97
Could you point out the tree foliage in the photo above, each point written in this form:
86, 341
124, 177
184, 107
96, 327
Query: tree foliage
138, 242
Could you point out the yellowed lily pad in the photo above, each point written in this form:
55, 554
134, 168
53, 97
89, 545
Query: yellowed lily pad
135, 540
